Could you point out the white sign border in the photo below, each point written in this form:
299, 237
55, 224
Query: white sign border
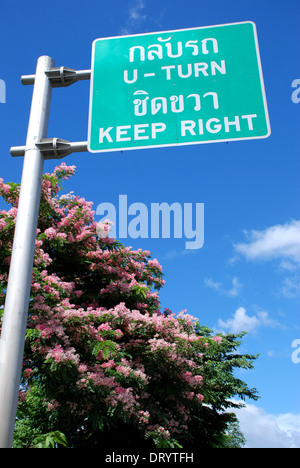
166, 145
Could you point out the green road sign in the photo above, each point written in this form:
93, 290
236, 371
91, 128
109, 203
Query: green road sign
179, 87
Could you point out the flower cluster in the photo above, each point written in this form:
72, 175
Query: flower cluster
99, 350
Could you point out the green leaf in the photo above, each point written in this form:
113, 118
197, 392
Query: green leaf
108, 348
50, 440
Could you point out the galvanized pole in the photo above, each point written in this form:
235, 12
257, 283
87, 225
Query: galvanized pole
20, 275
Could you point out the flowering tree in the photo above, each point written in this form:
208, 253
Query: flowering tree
103, 365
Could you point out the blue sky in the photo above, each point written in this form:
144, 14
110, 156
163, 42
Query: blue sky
247, 274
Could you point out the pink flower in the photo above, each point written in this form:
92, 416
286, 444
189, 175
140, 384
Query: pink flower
104, 326
108, 365
198, 379
52, 405
61, 235
5, 188
125, 370
27, 373
140, 374
217, 339
51, 233
103, 228
144, 417
60, 355
154, 264
200, 397
22, 395
119, 333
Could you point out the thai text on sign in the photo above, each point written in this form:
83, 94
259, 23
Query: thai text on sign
175, 88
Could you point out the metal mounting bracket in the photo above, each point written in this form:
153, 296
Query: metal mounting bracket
53, 148
60, 76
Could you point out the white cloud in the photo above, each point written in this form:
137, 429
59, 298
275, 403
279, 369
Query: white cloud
241, 321
276, 242
136, 16
135, 12
291, 287
236, 287
263, 430
233, 291
212, 284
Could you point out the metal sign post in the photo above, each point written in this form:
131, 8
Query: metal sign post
37, 148
18, 288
